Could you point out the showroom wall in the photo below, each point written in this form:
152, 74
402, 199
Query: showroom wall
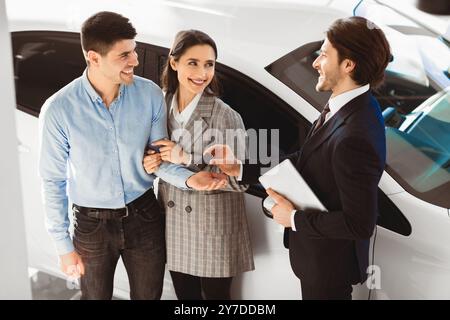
14, 282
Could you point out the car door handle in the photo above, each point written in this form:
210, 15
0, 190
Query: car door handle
23, 148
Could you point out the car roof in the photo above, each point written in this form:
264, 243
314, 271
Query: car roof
257, 31
249, 34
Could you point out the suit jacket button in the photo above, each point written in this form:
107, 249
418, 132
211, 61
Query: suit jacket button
188, 209
170, 204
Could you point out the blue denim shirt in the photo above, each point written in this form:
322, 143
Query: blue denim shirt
92, 155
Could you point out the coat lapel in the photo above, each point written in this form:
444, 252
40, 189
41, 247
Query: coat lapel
314, 141
196, 124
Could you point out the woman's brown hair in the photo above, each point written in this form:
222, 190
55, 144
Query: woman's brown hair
183, 41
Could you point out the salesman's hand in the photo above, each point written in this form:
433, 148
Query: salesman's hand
71, 264
205, 180
281, 211
224, 158
171, 152
151, 161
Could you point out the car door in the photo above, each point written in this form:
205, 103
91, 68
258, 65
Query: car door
277, 129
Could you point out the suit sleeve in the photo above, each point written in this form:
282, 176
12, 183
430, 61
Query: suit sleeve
251, 172
357, 170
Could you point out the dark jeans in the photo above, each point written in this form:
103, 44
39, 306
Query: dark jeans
189, 287
317, 291
138, 239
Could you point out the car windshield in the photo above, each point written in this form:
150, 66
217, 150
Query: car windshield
418, 148
416, 105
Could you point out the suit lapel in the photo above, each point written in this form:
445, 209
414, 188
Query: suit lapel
314, 141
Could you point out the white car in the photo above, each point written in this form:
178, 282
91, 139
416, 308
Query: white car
266, 49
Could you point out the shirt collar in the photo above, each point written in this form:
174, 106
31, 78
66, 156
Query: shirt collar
185, 115
336, 103
91, 91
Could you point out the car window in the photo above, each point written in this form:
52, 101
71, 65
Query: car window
155, 59
417, 118
295, 71
44, 62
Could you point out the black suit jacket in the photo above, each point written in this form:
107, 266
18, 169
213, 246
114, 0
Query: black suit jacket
342, 163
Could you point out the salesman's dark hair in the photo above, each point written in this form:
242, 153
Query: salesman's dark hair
361, 41
183, 41
102, 30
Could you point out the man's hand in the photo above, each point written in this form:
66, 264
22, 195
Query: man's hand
151, 161
281, 211
224, 158
205, 181
171, 152
71, 264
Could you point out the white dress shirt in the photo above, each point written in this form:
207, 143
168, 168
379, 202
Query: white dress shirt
183, 117
337, 102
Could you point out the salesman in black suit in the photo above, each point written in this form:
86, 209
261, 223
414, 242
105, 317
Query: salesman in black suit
342, 160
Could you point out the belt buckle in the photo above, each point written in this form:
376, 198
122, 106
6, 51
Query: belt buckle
126, 212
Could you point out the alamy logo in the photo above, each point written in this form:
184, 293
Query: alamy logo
73, 283
374, 278
250, 146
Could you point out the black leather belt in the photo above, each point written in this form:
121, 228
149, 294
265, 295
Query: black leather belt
119, 213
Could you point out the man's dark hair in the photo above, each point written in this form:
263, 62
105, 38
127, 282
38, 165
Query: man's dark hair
183, 41
101, 31
361, 41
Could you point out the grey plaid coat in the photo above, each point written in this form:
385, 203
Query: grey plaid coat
207, 233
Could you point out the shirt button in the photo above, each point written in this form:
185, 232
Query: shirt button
188, 209
170, 204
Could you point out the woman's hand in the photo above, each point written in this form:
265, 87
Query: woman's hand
171, 152
151, 161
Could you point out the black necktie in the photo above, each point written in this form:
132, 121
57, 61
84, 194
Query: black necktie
321, 119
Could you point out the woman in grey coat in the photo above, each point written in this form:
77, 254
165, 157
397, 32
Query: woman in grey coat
207, 235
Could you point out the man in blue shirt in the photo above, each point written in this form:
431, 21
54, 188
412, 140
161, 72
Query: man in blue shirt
94, 133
